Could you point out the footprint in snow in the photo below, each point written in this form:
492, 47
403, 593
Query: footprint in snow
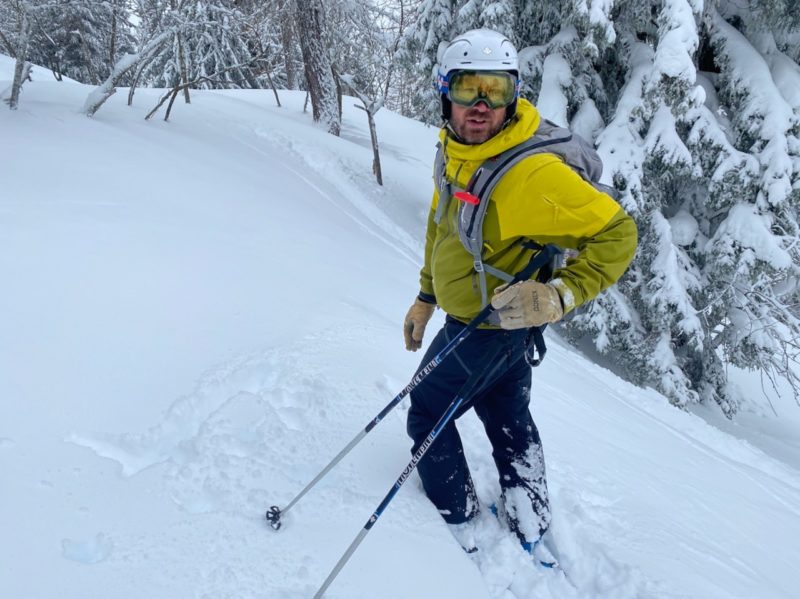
88, 552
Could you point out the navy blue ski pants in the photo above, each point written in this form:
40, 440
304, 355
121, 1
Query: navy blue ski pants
501, 402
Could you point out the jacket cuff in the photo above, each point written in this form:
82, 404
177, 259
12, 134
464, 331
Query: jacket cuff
426, 297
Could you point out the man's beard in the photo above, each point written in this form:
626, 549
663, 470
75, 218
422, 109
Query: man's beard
474, 138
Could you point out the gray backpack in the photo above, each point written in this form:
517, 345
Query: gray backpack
549, 138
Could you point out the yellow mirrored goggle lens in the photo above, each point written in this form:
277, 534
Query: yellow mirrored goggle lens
467, 88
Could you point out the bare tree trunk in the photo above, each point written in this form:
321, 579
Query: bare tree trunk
321, 86
112, 51
135, 83
338, 90
373, 133
182, 60
274, 90
140, 68
400, 30
287, 41
22, 68
103, 92
184, 71
213, 78
371, 107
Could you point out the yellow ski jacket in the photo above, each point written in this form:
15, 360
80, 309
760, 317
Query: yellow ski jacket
541, 198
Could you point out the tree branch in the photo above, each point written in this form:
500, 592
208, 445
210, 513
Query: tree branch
213, 78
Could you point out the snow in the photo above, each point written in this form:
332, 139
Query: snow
678, 42
199, 314
766, 112
785, 72
663, 140
752, 231
599, 12
556, 77
684, 228
587, 122
620, 144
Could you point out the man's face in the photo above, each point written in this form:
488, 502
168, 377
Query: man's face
476, 124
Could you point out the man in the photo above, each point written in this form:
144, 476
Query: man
540, 199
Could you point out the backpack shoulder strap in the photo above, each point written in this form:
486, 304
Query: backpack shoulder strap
549, 138
442, 184
490, 172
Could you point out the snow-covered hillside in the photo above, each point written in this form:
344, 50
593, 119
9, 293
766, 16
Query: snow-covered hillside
197, 315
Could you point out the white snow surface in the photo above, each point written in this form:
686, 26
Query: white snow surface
198, 315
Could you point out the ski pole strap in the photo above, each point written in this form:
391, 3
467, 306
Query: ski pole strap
535, 346
544, 255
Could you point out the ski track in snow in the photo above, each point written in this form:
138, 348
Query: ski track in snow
229, 450
341, 176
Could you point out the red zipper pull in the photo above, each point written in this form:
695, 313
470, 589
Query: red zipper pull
467, 197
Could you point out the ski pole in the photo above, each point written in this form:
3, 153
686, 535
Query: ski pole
464, 394
546, 253
275, 513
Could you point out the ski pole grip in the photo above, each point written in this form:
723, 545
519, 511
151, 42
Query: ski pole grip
540, 259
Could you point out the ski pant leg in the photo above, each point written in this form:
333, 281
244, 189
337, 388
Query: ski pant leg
517, 450
443, 470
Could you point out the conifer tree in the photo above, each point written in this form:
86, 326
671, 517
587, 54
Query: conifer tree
418, 54
694, 108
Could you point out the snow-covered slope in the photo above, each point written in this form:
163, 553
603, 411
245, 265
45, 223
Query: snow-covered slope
197, 315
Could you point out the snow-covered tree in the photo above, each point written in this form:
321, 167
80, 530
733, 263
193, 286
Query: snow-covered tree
368, 64
418, 53
714, 280
16, 26
695, 109
82, 39
209, 37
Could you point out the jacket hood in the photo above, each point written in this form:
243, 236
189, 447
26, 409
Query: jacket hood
522, 126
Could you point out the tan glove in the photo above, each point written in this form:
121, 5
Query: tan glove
414, 326
527, 304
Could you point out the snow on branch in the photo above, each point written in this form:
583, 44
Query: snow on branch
677, 43
762, 113
599, 14
621, 145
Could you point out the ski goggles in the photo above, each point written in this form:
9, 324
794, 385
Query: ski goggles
466, 88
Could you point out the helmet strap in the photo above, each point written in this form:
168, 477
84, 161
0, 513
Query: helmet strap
447, 108
511, 112
452, 132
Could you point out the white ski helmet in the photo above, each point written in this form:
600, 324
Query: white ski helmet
475, 50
